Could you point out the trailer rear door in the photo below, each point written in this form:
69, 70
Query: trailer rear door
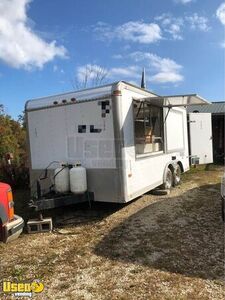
200, 135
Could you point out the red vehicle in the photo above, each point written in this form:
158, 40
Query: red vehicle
11, 225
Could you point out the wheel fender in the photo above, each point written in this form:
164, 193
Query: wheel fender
172, 164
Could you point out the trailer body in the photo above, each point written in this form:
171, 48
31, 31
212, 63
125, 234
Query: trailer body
125, 137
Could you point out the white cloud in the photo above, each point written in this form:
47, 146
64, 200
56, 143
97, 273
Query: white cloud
88, 73
183, 1
20, 47
158, 69
198, 22
175, 26
171, 25
165, 77
130, 72
140, 32
166, 70
175, 31
220, 13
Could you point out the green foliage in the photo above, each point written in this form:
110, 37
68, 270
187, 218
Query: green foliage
13, 141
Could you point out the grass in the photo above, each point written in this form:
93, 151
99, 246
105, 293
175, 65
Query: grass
158, 247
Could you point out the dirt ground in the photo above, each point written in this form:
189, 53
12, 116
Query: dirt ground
157, 247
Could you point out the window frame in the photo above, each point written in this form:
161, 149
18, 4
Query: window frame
162, 129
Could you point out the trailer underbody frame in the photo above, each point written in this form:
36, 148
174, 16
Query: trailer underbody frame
54, 201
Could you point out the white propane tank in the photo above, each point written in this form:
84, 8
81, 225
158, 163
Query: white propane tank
78, 179
62, 179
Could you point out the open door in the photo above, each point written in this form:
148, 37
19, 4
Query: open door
200, 138
200, 133
175, 101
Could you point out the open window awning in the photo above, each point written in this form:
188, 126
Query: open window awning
175, 101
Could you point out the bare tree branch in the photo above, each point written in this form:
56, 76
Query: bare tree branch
91, 76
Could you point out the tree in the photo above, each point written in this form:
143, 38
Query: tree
13, 142
2, 110
89, 76
12, 139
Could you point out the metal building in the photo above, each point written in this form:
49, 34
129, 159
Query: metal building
217, 109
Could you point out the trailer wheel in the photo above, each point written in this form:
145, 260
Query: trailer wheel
177, 175
168, 180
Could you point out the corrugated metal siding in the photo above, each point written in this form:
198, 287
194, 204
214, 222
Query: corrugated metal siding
214, 108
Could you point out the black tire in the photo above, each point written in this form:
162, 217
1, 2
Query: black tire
168, 180
160, 192
177, 175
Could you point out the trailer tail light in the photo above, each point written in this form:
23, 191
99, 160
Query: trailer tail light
11, 204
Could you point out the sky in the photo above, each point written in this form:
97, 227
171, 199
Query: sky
46, 46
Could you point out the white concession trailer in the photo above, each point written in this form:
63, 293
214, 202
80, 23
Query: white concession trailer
128, 139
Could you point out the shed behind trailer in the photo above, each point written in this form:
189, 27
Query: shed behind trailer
217, 110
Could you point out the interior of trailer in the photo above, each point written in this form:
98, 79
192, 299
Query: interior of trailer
148, 127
